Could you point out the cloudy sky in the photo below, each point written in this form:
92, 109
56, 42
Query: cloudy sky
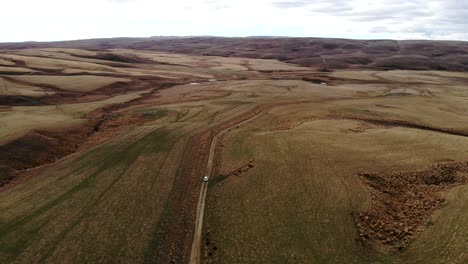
45, 20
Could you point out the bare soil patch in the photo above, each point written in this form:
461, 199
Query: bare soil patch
36, 148
107, 56
41, 147
403, 202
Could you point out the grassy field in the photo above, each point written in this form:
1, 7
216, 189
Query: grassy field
15, 70
286, 187
48, 63
297, 204
9, 88
307, 190
55, 53
18, 120
80, 83
6, 62
84, 204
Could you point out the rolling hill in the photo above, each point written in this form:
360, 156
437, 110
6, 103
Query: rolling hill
316, 150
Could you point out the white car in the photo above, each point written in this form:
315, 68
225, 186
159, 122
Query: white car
205, 179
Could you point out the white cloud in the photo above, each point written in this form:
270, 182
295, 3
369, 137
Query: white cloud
23, 20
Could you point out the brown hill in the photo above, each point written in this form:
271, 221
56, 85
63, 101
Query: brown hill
314, 52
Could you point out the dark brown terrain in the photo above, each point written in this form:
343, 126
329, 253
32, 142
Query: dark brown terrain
313, 52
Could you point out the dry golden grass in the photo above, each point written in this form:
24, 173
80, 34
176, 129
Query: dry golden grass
443, 74
170, 73
87, 72
356, 75
11, 89
243, 64
416, 109
213, 62
401, 76
61, 54
230, 67
5, 70
411, 77
296, 204
78, 52
81, 83
48, 63
443, 241
18, 120
165, 58
6, 62
273, 65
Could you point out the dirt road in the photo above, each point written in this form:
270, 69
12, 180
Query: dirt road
197, 237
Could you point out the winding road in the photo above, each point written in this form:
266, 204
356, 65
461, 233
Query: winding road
195, 254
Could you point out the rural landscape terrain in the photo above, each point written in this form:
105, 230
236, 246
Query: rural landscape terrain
316, 151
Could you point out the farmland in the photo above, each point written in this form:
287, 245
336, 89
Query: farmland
103, 151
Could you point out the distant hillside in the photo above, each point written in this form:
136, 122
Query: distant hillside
314, 52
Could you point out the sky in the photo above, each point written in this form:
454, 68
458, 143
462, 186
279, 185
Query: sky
51, 20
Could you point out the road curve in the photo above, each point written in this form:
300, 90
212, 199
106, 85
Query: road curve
195, 254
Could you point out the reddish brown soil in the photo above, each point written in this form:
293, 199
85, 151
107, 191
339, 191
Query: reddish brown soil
41, 147
111, 57
287, 124
37, 148
403, 201
237, 172
176, 229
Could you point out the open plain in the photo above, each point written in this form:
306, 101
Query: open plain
103, 153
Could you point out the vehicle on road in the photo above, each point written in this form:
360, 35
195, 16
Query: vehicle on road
205, 179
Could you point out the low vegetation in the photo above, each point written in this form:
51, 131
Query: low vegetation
103, 152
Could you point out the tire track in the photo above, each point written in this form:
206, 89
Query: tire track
197, 237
